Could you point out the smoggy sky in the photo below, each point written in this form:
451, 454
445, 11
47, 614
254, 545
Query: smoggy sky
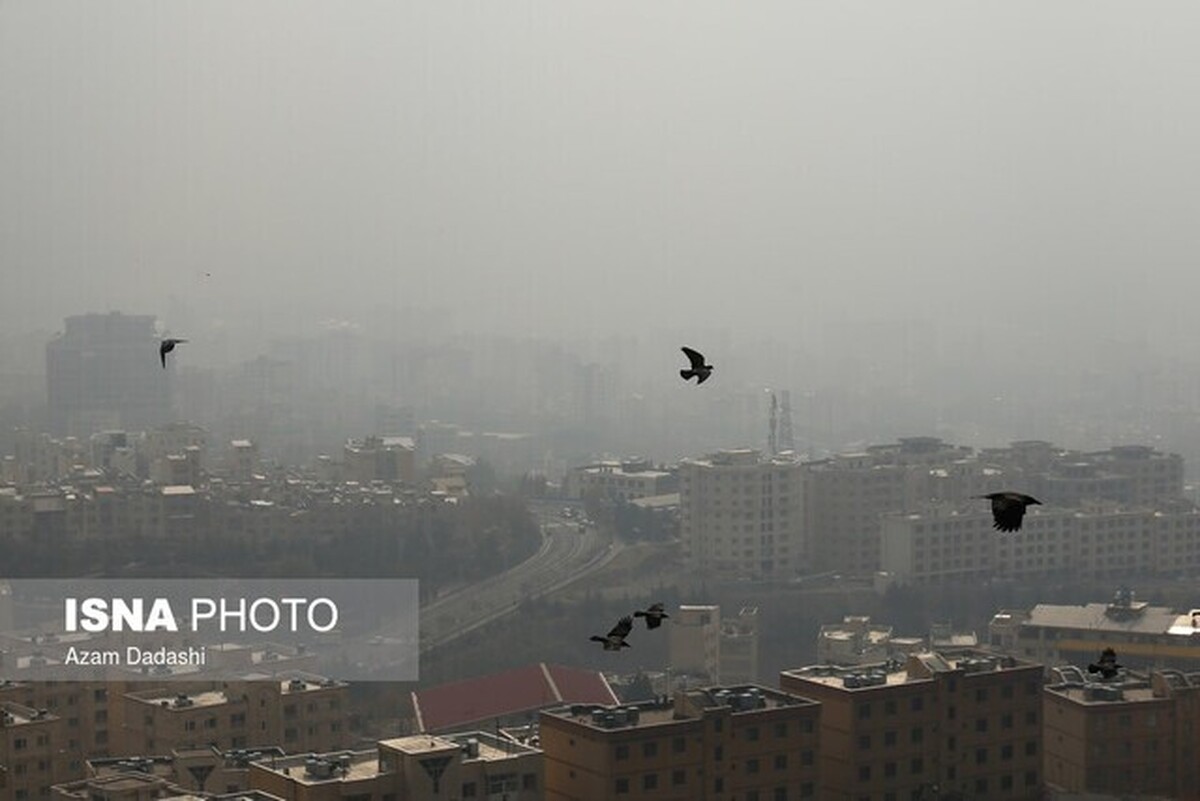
573, 168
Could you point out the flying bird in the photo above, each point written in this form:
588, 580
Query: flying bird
654, 616
1107, 667
699, 369
166, 347
615, 640
1008, 509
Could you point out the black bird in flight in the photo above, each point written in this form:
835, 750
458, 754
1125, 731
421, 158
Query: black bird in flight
699, 369
654, 616
1107, 667
1008, 509
615, 640
166, 347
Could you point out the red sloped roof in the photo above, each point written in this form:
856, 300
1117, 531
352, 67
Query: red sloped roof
523, 689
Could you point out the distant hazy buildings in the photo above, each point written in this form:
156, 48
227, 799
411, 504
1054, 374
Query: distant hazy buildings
739, 647
944, 543
966, 721
694, 641
721, 742
626, 480
380, 459
103, 373
1143, 635
741, 516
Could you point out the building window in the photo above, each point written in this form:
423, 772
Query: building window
679, 745
650, 781
806, 790
806, 757
468, 790
650, 749
889, 738
864, 742
1030, 778
917, 734
622, 752
718, 785
981, 785
780, 794
1006, 751
678, 777
980, 756
752, 734
529, 781
781, 730
889, 769
752, 766
981, 695
718, 753
622, 786
917, 703
1006, 782
864, 773
1031, 748
1006, 720
781, 762
916, 766
889, 707
981, 724
864, 711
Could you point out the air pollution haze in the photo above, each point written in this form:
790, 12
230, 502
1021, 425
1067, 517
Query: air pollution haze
560, 170
978, 205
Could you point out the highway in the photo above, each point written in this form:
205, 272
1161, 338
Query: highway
565, 556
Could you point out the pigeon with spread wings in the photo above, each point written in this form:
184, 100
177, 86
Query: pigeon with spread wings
699, 369
615, 639
166, 347
1008, 509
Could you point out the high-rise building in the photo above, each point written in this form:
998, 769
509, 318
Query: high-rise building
1134, 734
966, 721
741, 516
104, 373
740, 742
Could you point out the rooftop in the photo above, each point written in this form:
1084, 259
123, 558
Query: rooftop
919, 667
499, 695
686, 705
338, 766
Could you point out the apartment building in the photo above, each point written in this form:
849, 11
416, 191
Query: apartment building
744, 741
741, 516
1133, 735
739, 647
468, 765
31, 756
966, 721
1057, 634
297, 714
200, 772
626, 480
945, 543
845, 496
85, 710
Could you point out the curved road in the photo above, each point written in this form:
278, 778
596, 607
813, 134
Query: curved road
566, 555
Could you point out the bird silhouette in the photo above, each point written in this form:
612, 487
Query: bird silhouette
166, 347
654, 615
615, 639
1008, 509
1107, 666
699, 369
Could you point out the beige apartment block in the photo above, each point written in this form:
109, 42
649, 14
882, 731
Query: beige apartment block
745, 742
966, 721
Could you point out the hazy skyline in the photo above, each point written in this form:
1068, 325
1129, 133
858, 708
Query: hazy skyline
575, 169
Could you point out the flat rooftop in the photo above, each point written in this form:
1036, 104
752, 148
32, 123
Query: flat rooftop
741, 698
181, 702
491, 748
918, 667
358, 765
